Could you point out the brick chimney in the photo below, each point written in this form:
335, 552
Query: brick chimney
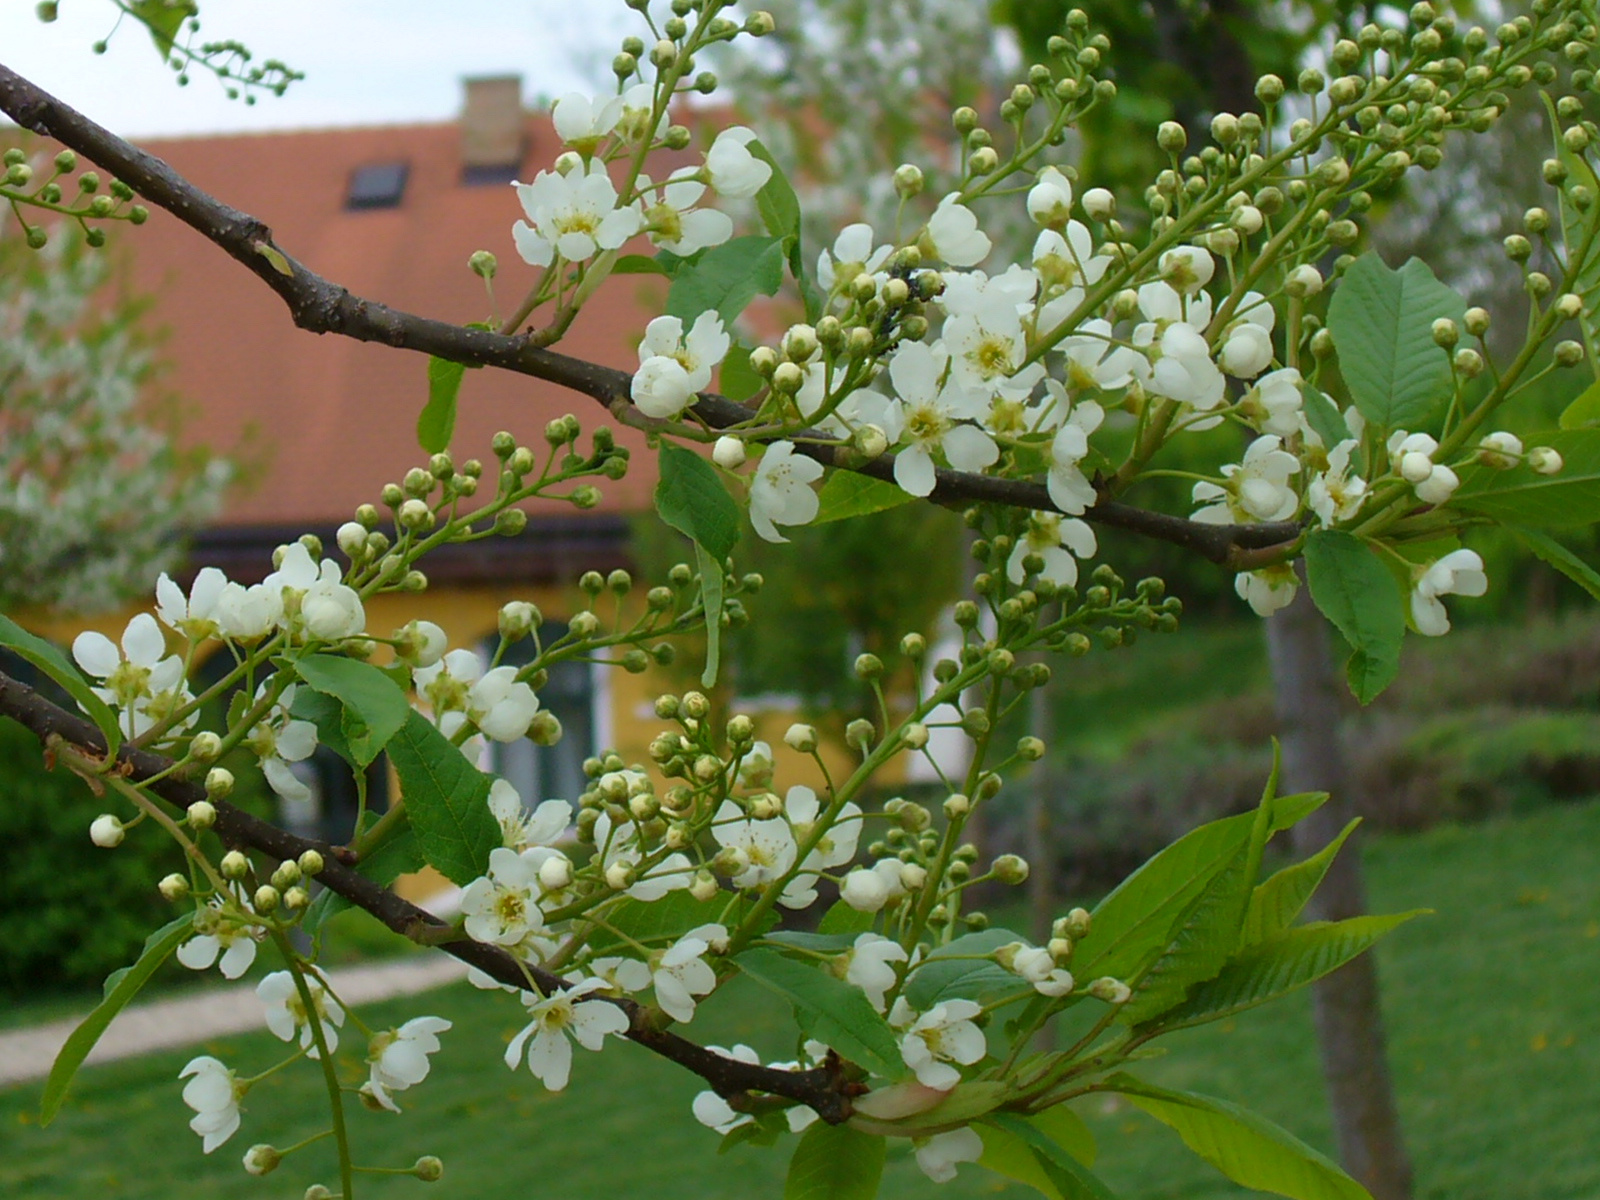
493, 136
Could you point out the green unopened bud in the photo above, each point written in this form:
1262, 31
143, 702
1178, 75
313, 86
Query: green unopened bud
1445, 333
1476, 321
1171, 137
1077, 924
287, 874
173, 887
907, 180
234, 865
219, 784
859, 733
310, 863
1568, 354
266, 898
1030, 749
1517, 248
483, 264
1569, 306
429, 1168
1467, 362
1010, 869
1546, 460
1269, 89
868, 666
296, 898
262, 1159
1112, 991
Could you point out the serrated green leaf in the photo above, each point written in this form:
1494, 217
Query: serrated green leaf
447, 801
1279, 965
1135, 923
951, 972
711, 598
53, 663
638, 264
374, 707
1007, 1154
121, 987
1521, 496
1277, 901
437, 421
841, 918
1248, 1149
838, 1013
776, 201
1584, 412
1068, 1178
1381, 321
737, 381
847, 494
1562, 559
1355, 590
835, 1162
1323, 417
690, 497
727, 278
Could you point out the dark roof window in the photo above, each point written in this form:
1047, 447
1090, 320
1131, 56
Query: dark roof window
379, 186
487, 174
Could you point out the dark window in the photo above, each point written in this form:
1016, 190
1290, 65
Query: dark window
486, 175
380, 186
552, 772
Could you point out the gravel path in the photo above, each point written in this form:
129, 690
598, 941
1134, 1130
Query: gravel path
165, 1024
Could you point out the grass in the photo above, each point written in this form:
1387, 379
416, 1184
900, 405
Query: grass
1494, 1033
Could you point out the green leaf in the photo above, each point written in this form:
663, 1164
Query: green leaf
711, 597
1279, 965
841, 918
164, 20
1289, 811
1358, 593
637, 264
690, 498
447, 801
847, 494
121, 987
1577, 228
820, 943
1584, 412
835, 1162
778, 205
838, 1014
397, 855
1562, 559
1005, 1153
664, 920
1323, 417
950, 973
1135, 923
437, 422
727, 278
1382, 326
374, 706
1248, 1149
1279, 900
738, 381
1068, 1178
1521, 496
53, 663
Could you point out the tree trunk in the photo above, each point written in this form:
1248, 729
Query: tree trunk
1348, 1016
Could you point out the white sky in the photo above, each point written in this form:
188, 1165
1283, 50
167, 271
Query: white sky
366, 61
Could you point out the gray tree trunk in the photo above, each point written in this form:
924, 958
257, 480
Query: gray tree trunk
1348, 1015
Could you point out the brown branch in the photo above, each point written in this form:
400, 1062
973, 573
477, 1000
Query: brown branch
321, 306
825, 1089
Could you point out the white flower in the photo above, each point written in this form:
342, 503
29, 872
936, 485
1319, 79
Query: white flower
768, 846
1070, 490
235, 943
853, 254
502, 907
681, 973
1336, 495
1161, 302
942, 1035
574, 215
672, 222
939, 1154
638, 106
734, 171
1247, 341
780, 490
138, 679
278, 740
582, 122
868, 965
672, 368
1458, 573
1038, 966
213, 1093
556, 1017
1267, 590
310, 599
1439, 486
399, 1057
710, 1109
928, 416
834, 849
1056, 539
1065, 264
1050, 199
987, 350
519, 828
620, 854
286, 1012
1256, 490
193, 616
955, 236
1181, 368
245, 614
459, 690
1187, 268
1278, 402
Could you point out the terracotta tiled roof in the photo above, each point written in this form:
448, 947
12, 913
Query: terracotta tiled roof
332, 419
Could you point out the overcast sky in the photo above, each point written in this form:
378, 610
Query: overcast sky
366, 61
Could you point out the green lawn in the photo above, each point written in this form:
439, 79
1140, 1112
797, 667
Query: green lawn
1495, 1034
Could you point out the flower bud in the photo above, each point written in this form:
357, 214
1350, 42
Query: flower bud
915, 735
704, 888
1010, 869
201, 814
173, 887
1077, 924
1171, 137
234, 865
555, 873
107, 831
1112, 991
219, 784
1445, 333
518, 619
728, 453
1568, 353
1500, 450
266, 898
868, 666
864, 890
956, 806
287, 874
1545, 460
984, 161
310, 863
859, 733
907, 180
1030, 749
1269, 89
262, 1159
1468, 362
801, 737
428, 1168
296, 898
1099, 203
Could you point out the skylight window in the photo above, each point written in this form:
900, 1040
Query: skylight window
379, 186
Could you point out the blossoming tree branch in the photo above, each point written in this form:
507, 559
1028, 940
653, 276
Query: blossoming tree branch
1037, 396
